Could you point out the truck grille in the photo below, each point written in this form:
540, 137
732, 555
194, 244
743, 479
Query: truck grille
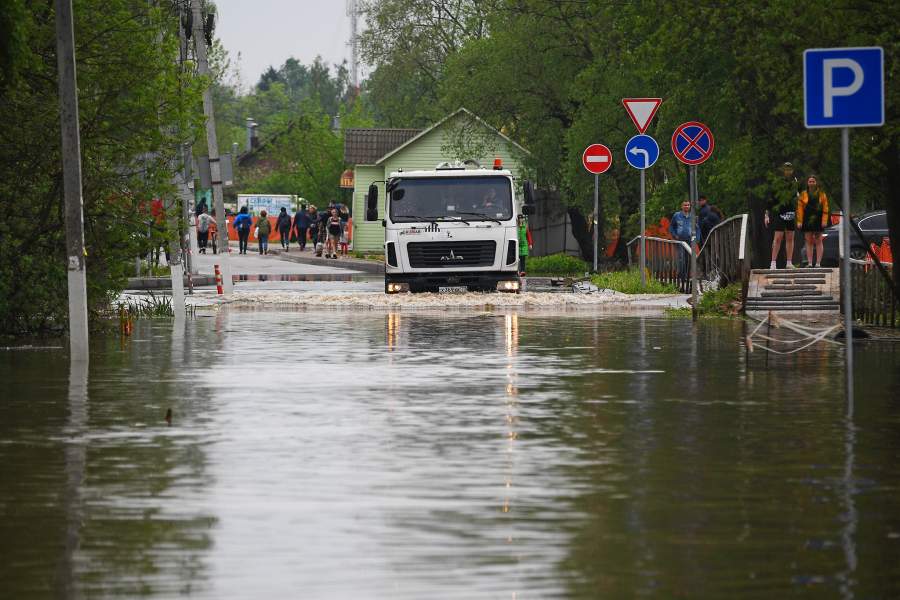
451, 254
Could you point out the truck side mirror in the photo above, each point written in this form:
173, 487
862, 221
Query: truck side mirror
528, 207
372, 203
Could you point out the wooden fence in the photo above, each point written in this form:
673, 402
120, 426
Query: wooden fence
873, 301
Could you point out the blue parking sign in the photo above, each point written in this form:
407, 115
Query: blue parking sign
843, 87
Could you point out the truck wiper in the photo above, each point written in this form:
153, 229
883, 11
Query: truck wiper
417, 217
455, 218
483, 216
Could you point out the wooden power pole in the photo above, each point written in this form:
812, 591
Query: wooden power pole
71, 160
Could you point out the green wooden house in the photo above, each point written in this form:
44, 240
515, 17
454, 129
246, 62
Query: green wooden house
375, 153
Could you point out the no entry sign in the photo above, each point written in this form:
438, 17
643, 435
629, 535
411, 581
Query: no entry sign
597, 158
692, 143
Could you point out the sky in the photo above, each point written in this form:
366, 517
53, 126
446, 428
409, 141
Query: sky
268, 32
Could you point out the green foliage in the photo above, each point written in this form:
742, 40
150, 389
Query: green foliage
133, 98
629, 282
556, 264
149, 307
724, 301
551, 74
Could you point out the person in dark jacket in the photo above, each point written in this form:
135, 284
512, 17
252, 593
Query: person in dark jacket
301, 226
781, 213
263, 230
242, 224
283, 225
707, 216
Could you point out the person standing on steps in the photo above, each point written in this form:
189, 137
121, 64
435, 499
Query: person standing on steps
301, 226
812, 218
781, 213
242, 224
283, 225
263, 229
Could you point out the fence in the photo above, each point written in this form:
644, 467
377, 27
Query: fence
668, 261
723, 259
873, 301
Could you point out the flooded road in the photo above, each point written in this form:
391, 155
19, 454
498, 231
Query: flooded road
447, 454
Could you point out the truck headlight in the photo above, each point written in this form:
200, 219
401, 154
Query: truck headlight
396, 288
507, 286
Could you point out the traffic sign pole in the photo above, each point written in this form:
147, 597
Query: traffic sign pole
643, 237
596, 212
846, 290
694, 279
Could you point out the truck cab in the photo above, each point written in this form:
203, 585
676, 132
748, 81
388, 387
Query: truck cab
450, 229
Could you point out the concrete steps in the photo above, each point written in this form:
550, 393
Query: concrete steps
805, 294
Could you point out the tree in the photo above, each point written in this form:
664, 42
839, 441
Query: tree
133, 97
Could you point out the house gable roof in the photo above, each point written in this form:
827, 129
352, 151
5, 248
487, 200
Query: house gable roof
461, 111
366, 146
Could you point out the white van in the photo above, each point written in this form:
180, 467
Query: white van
450, 229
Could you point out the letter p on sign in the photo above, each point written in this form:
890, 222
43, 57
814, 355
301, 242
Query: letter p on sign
843, 87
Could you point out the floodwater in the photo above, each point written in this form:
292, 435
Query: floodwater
376, 454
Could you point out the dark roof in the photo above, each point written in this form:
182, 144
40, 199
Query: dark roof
366, 146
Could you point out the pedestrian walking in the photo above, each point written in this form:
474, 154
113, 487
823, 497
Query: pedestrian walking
335, 228
283, 225
526, 243
681, 227
781, 213
812, 217
301, 226
242, 224
203, 225
263, 229
322, 231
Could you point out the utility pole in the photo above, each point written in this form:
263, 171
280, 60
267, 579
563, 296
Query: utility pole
71, 159
213, 148
353, 13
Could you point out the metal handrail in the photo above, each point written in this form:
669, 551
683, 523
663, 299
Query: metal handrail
659, 239
743, 217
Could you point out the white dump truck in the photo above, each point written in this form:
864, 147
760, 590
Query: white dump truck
452, 229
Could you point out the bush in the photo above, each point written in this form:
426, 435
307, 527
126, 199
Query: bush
556, 264
724, 301
629, 282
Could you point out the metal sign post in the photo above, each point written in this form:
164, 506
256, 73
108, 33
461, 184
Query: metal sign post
846, 288
695, 282
597, 159
595, 219
642, 152
843, 88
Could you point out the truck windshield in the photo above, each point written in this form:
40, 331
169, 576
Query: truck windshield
451, 199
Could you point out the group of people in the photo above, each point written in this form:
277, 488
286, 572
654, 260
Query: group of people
328, 230
793, 207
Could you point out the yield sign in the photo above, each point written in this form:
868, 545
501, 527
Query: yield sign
693, 143
641, 111
596, 158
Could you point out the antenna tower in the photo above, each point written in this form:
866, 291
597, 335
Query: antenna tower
353, 13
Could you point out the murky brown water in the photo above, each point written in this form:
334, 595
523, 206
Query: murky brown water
339, 454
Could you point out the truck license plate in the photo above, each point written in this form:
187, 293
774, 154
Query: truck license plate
453, 289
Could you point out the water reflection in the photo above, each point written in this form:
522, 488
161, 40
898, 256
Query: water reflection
447, 454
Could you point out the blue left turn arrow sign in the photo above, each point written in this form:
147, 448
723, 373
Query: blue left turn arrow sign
641, 151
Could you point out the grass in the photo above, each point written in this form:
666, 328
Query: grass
367, 255
151, 307
629, 282
723, 302
556, 264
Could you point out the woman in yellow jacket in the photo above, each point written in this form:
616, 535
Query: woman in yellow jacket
812, 218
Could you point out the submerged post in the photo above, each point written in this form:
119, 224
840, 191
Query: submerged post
71, 159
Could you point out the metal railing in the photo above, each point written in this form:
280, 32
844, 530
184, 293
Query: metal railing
723, 257
668, 261
874, 303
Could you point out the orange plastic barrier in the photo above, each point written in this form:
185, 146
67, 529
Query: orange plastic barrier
232, 232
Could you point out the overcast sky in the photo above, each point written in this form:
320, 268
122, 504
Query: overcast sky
268, 32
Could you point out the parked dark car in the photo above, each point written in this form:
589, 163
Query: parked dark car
874, 228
